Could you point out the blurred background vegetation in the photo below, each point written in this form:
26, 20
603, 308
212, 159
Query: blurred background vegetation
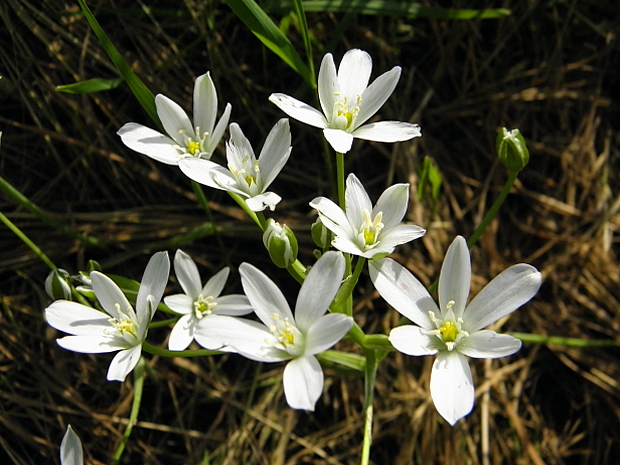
549, 68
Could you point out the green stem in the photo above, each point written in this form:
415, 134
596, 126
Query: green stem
564, 341
135, 408
512, 177
241, 202
343, 299
38, 252
340, 179
370, 374
29, 205
148, 348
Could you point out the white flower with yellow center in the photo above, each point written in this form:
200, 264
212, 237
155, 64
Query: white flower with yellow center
182, 139
246, 175
199, 303
284, 336
454, 330
364, 230
348, 102
120, 328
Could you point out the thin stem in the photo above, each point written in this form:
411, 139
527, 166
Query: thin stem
38, 252
340, 179
564, 341
241, 202
370, 374
135, 408
512, 177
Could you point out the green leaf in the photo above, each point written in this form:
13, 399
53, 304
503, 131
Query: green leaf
90, 86
429, 176
399, 8
270, 35
143, 94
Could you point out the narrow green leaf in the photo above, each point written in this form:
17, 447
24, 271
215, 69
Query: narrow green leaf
270, 35
143, 94
90, 86
399, 8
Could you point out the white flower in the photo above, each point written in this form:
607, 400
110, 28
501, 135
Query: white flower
246, 176
452, 330
199, 303
362, 229
348, 102
182, 139
120, 328
71, 449
283, 336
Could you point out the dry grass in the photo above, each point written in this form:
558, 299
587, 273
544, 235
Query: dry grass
549, 69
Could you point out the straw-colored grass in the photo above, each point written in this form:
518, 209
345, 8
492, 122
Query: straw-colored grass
549, 69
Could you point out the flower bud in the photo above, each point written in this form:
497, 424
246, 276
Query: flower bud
281, 244
512, 149
320, 234
57, 284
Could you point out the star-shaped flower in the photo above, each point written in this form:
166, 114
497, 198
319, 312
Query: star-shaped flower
182, 139
364, 230
120, 328
246, 175
454, 330
284, 336
348, 102
199, 303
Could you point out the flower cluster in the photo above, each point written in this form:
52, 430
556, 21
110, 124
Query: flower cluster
269, 330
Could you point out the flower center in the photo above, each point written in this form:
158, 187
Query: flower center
247, 174
193, 147
449, 329
344, 112
204, 306
287, 335
124, 326
371, 227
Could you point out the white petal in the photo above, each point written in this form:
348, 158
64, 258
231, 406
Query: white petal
173, 119
187, 274
412, 340
488, 344
267, 200
275, 153
455, 277
205, 104
303, 383
71, 449
452, 388
218, 132
504, 294
239, 148
387, 131
109, 295
354, 73
92, 344
340, 140
326, 332
208, 173
319, 289
356, 201
328, 85
180, 303
249, 338
78, 319
345, 245
376, 94
123, 363
403, 291
264, 295
182, 333
152, 288
393, 203
214, 286
299, 110
332, 217
233, 305
401, 234
149, 142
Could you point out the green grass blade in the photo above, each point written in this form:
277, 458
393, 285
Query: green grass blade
387, 7
139, 89
270, 35
90, 86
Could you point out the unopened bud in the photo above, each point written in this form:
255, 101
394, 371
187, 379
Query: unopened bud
512, 149
281, 244
57, 284
320, 234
